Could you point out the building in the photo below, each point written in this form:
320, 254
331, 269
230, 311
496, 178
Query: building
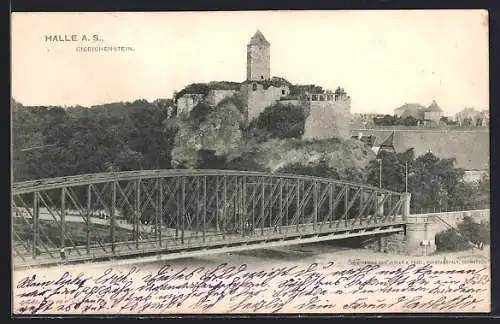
386, 146
484, 118
414, 110
368, 140
470, 117
328, 112
433, 112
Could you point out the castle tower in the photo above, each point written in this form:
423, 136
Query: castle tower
258, 58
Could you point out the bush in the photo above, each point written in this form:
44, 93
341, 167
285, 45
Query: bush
450, 240
460, 239
278, 121
475, 231
199, 114
321, 170
200, 88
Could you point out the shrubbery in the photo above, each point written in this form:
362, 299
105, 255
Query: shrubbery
450, 240
77, 140
460, 239
278, 121
204, 88
199, 114
435, 183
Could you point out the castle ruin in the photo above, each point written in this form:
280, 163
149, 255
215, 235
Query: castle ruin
328, 113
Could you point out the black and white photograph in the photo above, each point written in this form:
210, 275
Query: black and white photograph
250, 162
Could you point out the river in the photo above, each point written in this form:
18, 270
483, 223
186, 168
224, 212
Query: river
305, 254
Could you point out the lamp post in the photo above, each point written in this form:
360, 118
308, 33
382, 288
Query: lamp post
380, 173
406, 176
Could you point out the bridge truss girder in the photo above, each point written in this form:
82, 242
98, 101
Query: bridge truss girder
61, 220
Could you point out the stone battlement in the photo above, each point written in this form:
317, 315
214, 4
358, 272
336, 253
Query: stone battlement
326, 97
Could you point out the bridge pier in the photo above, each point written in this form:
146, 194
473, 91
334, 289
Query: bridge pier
382, 243
419, 241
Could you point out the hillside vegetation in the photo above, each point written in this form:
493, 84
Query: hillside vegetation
56, 141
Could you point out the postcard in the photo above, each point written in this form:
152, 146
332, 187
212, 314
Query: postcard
261, 162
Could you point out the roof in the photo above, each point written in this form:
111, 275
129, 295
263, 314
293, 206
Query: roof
367, 140
411, 109
258, 39
389, 142
434, 107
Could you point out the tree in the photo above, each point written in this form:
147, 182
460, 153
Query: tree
393, 170
434, 184
81, 140
444, 120
129, 160
466, 233
320, 169
386, 120
410, 121
198, 88
148, 135
278, 121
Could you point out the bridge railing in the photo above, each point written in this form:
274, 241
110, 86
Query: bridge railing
125, 210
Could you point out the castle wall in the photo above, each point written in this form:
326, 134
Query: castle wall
470, 147
215, 96
328, 119
258, 62
257, 100
187, 102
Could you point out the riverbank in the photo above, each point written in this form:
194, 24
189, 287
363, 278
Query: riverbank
297, 254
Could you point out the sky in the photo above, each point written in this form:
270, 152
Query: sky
382, 59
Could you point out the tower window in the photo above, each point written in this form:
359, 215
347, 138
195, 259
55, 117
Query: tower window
262, 77
283, 92
254, 86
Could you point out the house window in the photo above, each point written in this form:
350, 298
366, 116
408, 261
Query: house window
283, 92
254, 86
262, 77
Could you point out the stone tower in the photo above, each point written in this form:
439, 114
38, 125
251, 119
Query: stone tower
258, 58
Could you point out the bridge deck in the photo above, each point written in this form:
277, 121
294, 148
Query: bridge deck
215, 243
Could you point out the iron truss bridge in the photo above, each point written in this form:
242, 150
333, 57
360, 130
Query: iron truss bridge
176, 213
